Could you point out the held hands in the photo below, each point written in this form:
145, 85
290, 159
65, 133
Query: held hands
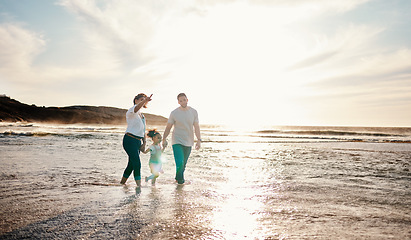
165, 143
143, 145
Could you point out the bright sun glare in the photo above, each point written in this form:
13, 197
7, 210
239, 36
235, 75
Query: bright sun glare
241, 60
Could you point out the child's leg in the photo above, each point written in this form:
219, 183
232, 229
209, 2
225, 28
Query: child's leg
153, 181
156, 175
150, 177
153, 176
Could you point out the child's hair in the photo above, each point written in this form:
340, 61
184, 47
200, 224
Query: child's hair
152, 133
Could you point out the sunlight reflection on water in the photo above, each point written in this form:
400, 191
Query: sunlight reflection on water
238, 187
240, 212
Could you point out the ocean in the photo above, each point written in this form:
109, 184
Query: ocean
62, 182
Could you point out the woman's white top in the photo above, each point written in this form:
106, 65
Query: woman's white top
136, 123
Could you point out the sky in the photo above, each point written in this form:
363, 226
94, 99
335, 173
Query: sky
244, 63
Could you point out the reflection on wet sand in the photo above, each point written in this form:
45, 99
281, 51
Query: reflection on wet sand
242, 187
169, 211
239, 205
234, 217
189, 216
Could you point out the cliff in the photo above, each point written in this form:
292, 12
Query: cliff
14, 111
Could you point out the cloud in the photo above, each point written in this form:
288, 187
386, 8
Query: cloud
379, 69
130, 35
18, 48
350, 41
313, 60
120, 30
285, 51
374, 89
314, 7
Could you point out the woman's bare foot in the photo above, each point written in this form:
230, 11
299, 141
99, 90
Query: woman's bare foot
123, 180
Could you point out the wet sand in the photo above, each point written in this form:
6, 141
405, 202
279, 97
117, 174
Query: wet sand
235, 206
66, 187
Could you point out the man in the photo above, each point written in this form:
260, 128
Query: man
186, 124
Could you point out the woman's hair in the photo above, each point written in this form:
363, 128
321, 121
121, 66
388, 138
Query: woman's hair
140, 95
152, 133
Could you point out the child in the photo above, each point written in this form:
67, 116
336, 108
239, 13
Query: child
155, 156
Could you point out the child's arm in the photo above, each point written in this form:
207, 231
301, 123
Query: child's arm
144, 150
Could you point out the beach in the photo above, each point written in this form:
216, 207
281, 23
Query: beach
62, 182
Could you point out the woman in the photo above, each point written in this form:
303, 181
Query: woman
132, 140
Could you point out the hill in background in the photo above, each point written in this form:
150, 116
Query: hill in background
14, 111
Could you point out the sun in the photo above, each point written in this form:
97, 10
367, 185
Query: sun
233, 61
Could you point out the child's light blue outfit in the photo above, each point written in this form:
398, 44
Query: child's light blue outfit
155, 163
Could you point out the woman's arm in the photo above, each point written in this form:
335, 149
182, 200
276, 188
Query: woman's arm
143, 146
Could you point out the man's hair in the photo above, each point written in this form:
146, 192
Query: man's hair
181, 95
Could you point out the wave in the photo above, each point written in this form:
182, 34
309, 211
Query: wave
305, 139
93, 129
351, 134
213, 135
316, 134
45, 134
330, 133
27, 134
41, 130
18, 124
341, 139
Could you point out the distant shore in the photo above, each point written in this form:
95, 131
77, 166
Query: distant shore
12, 110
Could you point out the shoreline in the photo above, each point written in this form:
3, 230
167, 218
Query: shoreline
242, 186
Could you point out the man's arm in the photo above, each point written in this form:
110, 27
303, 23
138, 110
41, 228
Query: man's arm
166, 133
198, 135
